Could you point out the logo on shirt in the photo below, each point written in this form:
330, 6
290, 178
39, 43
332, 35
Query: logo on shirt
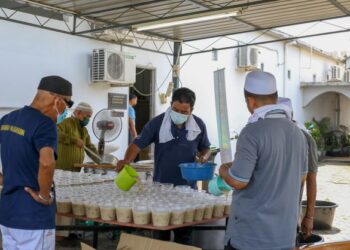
13, 129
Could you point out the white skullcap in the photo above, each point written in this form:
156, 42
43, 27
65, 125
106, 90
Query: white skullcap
260, 83
285, 101
85, 107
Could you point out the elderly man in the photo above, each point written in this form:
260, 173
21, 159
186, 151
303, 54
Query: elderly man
28, 139
73, 136
178, 136
306, 225
267, 172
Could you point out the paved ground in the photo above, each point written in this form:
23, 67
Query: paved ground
333, 185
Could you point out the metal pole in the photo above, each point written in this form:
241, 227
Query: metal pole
176, 63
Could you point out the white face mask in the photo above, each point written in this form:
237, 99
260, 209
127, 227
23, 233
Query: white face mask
178, 118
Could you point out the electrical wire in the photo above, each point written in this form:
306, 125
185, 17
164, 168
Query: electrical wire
157, 89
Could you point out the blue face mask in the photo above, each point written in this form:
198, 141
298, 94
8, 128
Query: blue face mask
178, 118
62, 116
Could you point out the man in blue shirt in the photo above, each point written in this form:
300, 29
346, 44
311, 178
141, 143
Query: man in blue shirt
178, 136
132, 117
28, 139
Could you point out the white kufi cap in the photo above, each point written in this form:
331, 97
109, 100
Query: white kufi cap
285, 101
260, 83
85, 107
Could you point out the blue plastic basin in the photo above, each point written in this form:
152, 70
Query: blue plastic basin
195, 171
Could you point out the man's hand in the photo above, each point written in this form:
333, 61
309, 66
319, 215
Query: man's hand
307, 225
121, 164
79, 143
47, 201
223, 170
201, 159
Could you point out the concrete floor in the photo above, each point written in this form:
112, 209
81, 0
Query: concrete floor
333, 185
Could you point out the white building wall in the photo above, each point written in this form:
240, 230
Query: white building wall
27, 54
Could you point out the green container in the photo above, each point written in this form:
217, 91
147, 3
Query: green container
217, 186
126, 178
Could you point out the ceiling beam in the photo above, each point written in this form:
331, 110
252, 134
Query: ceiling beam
129, 25
266, 42
340, 6
233, 18
122, 7
266, 28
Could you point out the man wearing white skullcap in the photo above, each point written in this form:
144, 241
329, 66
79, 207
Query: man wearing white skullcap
72, 137
267, 172
306, 225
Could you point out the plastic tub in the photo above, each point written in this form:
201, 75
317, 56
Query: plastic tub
311, 240
196, 171
324, 214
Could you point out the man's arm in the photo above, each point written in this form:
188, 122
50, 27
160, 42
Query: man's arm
45, 176
132, 128
224, 174
130, 156
311, 191
204, 155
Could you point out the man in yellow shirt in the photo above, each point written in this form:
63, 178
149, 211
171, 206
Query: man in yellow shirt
73, 136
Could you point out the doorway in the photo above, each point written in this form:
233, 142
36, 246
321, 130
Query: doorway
144, 90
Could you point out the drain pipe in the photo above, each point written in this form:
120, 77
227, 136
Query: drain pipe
337, 110
284, 67
176, 64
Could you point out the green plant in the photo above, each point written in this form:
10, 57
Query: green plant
316, 134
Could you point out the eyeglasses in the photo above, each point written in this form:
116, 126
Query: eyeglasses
68, 102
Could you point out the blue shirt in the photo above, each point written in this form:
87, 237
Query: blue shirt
168, 156
132, 114
271, 157
22, 134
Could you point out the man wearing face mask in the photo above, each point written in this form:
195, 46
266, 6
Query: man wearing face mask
73, 136
28, 139
178, 137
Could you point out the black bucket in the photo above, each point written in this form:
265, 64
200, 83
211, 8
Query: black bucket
324, 214
312, 239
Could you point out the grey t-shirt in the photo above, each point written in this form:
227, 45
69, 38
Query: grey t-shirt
312, 155
272, 156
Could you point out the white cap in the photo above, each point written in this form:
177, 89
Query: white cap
85, 107
260, 83
285, 101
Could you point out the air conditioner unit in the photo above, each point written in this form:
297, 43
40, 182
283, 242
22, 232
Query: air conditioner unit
248, 58
335, 74
114, 68
347, 76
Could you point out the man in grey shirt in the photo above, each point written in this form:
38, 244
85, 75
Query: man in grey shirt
306, 225
267, 172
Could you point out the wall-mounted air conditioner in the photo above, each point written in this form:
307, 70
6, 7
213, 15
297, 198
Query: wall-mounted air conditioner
347, 76
248, 58
335, 74
114, 68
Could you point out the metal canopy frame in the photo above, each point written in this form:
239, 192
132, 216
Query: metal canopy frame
112, 21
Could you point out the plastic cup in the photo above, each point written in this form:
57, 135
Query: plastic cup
126, 178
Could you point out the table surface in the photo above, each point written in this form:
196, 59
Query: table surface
139, 167
148, 226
